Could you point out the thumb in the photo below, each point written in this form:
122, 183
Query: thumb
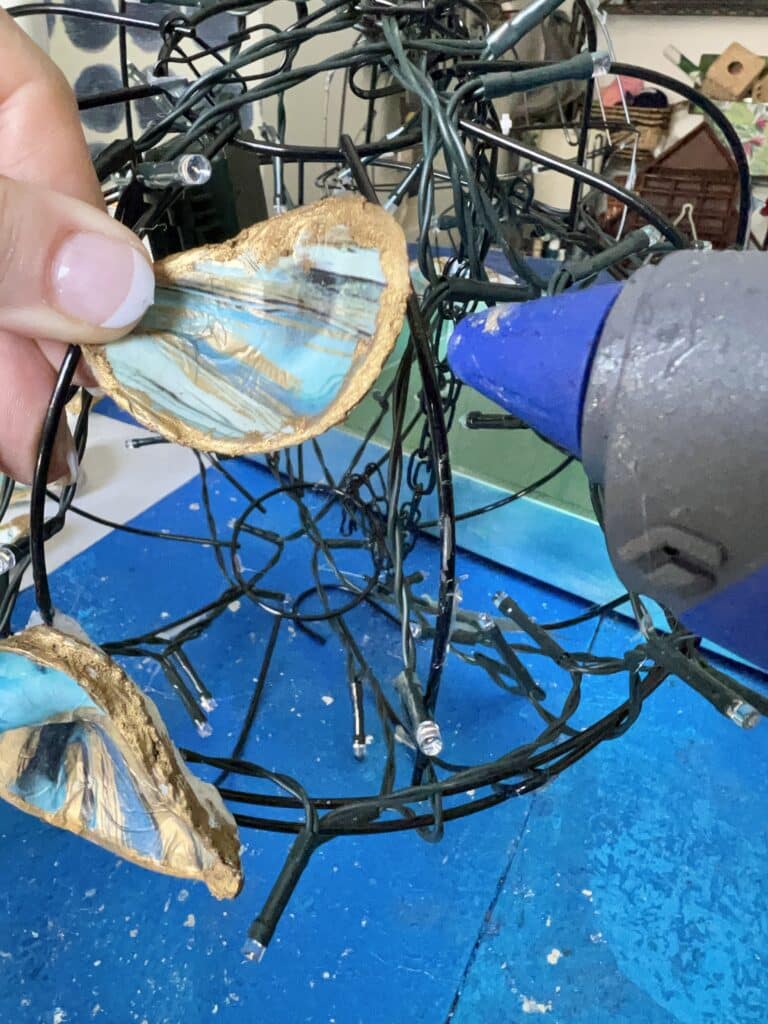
68, 271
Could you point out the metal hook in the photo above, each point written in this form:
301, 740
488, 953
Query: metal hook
688, 211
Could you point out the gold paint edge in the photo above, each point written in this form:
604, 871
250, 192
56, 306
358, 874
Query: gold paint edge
16, 527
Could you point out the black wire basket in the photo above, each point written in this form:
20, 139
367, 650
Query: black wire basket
372, 513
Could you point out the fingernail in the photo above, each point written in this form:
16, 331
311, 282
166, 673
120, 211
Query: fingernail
104, 282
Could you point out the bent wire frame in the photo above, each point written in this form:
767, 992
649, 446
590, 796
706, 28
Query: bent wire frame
361, 526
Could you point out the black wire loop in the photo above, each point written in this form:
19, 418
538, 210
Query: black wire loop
472, 191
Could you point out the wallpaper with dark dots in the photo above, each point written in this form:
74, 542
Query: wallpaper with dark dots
88, 53
91, 36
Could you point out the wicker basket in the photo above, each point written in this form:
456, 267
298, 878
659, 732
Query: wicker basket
650, 123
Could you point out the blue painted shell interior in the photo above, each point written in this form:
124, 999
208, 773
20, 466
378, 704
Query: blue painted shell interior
235, 348
60, 754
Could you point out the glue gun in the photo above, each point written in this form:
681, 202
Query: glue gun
660, 386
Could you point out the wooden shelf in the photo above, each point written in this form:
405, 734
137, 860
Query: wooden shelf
698, 8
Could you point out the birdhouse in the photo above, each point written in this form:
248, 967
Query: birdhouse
733, 73
695, 182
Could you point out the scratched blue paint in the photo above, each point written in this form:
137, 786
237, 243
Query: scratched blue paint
236, 348
641, 873
663, 828
390, 922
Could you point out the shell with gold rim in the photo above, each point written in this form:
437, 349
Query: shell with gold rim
269, 339
84, 749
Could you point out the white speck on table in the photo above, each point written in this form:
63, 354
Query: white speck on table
530, 1005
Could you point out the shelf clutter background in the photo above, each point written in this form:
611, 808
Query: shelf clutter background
713, 45
725, 56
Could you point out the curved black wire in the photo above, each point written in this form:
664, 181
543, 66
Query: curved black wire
37, 531
422, 49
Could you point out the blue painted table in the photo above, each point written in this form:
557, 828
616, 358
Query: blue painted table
630, 890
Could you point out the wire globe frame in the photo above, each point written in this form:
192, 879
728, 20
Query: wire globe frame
433, 54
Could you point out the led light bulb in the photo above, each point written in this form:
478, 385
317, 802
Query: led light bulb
429, 738
7, 560
190, 170
743, 714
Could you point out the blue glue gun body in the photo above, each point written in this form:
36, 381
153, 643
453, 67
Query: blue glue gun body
660, 387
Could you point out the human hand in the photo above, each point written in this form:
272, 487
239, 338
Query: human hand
69, 273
